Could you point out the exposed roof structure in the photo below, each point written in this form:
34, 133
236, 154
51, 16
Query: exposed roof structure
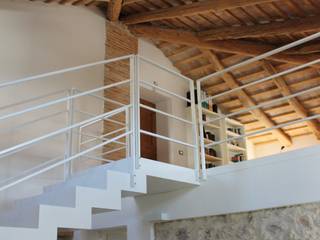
201, 37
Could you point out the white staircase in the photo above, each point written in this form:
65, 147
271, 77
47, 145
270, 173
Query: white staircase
70, 204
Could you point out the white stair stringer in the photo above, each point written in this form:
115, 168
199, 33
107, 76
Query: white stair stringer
68, 205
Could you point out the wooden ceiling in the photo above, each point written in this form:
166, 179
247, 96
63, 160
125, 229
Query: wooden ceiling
201, 37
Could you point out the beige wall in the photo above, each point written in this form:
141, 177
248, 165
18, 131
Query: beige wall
38, 38
266, 149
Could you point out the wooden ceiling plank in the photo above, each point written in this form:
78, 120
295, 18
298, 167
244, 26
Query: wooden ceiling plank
247, 101
246, 48
294, 102
189, 10
262, 30
114, 10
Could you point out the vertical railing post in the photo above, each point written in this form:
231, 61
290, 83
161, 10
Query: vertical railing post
195, 131
69, 135
127, 117
202, 147
136, 105
134, 117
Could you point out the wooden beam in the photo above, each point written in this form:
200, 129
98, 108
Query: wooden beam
114, 10
263, 30
308, 48
294, 102
127, 2
189, 9
246, 48
247, 101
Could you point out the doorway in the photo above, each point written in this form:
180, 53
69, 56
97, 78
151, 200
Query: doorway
148, 122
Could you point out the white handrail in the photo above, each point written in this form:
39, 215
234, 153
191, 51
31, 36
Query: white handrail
264, 104
103, 98
102, 137
34, 99
132, 125
108, 120
23, 179
260, 57
263, 80
165, 114
32, 121
94, 138
265, 130
60, 100
71, 69
164, 90
165, 68
167, 138
57, 132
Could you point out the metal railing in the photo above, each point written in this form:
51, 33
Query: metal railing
78, 143
204, 100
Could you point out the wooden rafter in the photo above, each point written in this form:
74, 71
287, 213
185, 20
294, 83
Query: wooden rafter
294, 102
246, 48
247, 101
262, 30
114, 9
190, 9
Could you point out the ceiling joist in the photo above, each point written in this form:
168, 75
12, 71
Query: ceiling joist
114, 9
247, 102
294, 102
290, 26
246, 48
189, 9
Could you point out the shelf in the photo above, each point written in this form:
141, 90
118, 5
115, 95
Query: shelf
207, 111
210, 158
232, 134
209, 125
208, 141
236, 148
234, 122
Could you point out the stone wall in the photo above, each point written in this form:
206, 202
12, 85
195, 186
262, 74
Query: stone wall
289, 223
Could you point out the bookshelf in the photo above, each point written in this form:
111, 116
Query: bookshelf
225, 128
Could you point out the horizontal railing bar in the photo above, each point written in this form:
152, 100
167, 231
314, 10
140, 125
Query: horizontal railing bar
112, 151
164, 113
57, 132
62, 162
166, 138
102, 137
33, 121
60, 100
97, 137
262, 80
264, 130
99, 120
260, 57
108, 120
33, 169
265, 104
27, 79
164, 68
33, 99
104, 98
98, 158
165, 90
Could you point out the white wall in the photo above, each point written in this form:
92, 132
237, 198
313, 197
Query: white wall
165, 126
266, 149
38, 38
281, 180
